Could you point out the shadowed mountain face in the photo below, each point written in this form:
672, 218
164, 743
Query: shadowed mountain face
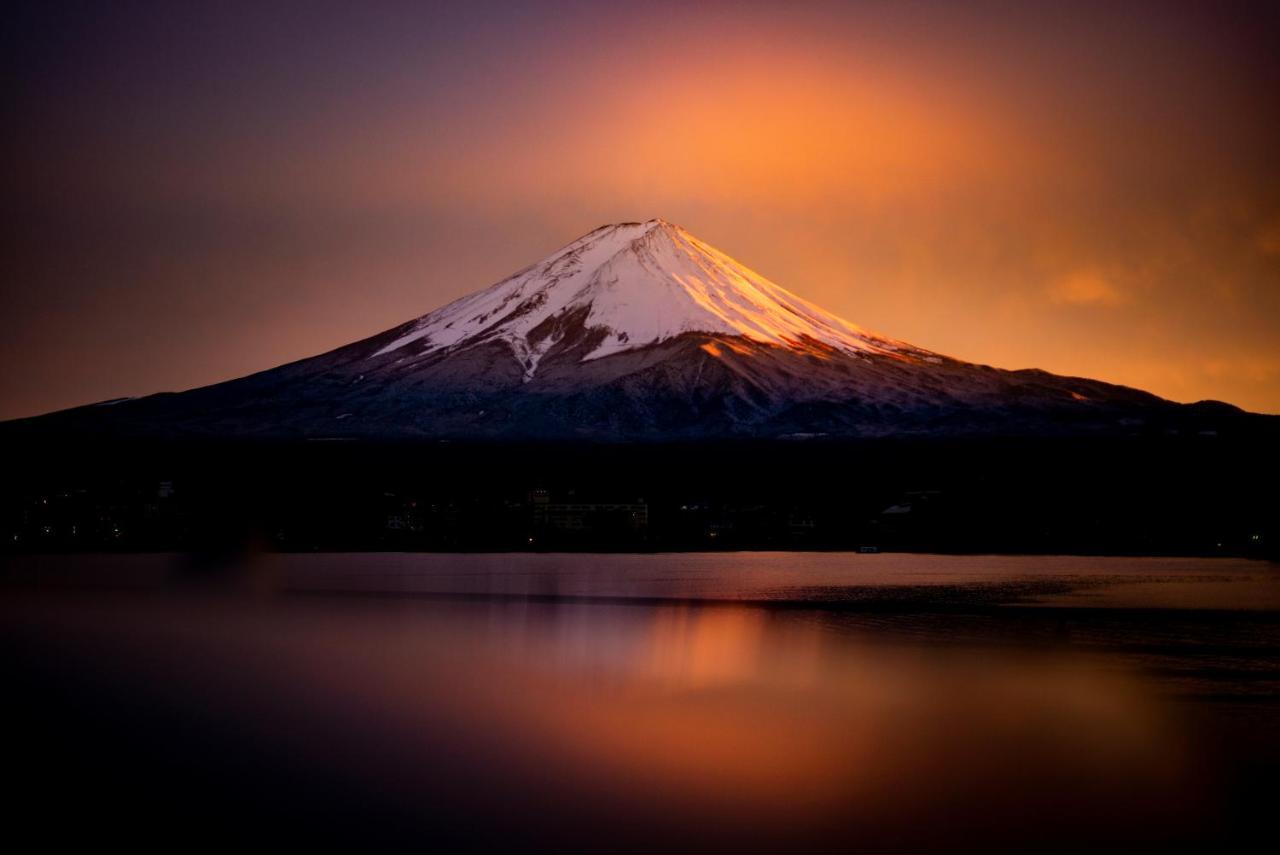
636, 331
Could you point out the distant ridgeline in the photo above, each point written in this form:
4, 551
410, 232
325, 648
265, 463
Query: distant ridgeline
1154, 495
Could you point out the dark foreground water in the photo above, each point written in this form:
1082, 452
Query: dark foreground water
765, 701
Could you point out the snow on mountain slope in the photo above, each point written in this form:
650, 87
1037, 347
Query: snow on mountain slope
634, 285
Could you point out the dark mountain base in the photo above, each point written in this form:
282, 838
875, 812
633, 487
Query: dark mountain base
1154, 495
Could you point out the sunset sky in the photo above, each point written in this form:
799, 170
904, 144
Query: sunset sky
195, 192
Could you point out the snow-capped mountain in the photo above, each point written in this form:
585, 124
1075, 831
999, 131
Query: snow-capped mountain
630, 285
634, 331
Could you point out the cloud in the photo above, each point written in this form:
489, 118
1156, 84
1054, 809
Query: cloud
1257, 369
1085, 288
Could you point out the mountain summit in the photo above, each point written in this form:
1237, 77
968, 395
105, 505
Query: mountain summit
635, 331
630, 285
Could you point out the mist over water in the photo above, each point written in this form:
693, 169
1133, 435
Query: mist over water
763, 701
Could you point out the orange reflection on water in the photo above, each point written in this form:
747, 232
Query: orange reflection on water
705, 647
710, 724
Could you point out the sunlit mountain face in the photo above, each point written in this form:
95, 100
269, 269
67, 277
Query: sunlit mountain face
634, 284
638, 330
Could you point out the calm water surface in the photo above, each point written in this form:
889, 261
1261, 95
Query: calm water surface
759, 701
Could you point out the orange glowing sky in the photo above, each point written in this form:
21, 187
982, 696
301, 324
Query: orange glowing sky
196, 194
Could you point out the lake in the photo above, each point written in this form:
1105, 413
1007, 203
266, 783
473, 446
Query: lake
760, 701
